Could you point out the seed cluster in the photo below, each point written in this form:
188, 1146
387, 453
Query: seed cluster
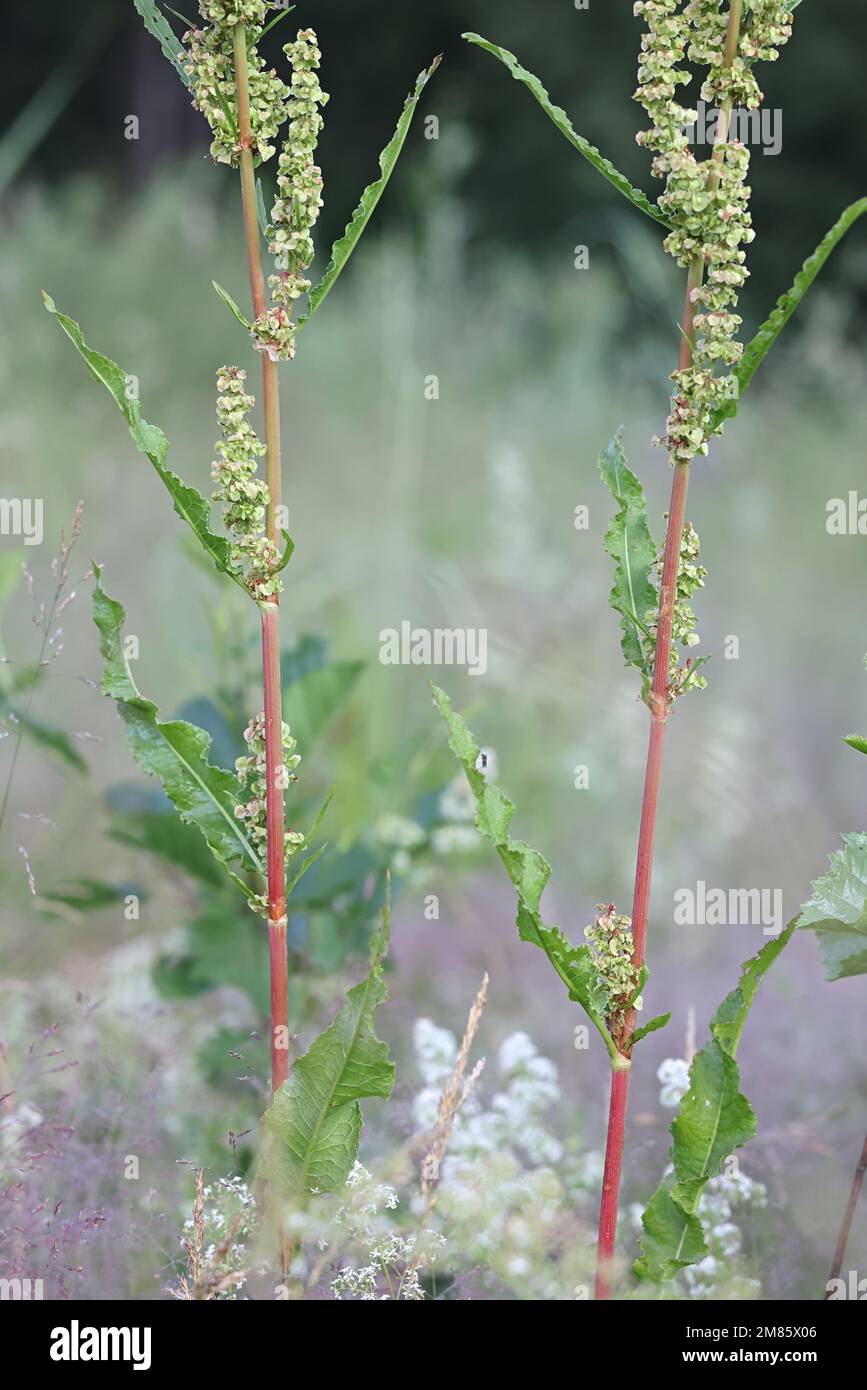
690, 577
210, 65
251, 772
610, 940
707, 201
244, 494
298, 201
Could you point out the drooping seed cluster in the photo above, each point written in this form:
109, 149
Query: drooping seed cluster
210, 65
298, 201
690, 577
706, 201
244, 494
610, 940
251, 772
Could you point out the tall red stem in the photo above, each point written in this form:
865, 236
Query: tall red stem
274, 775
659, 705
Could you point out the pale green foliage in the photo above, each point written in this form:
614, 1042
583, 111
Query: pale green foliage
564, 125
713, 1120
311, 1129
629, 543
837, 910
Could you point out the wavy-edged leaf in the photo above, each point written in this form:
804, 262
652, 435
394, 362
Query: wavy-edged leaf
632, 548
714, 1119
175, 752
529, 873
156, 24
760, 345
312, 1127
189, 504
602, 165
837, 910
346, 244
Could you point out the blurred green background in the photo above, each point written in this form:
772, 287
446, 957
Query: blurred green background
451, 512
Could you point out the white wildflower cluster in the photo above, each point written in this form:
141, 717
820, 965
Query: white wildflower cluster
457, 806
209, 63
690, 577
244, 494
251, 771
507, 1190
707, 201
228, 1220
725, 1197
673, 1075
298, 201
352, 1245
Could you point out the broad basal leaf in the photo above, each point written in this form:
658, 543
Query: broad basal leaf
529, 872
312, 1128
564, 125
629, 543
156, 23
175, 752
344, 247
767, 335
189, 504
837, 911
713, 1120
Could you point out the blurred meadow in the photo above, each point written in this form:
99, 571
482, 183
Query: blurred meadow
142, 1036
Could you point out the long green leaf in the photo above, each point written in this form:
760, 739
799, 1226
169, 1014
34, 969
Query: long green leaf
176, 752
564, 125
156, 24
189, 504
345, 245
312, 1128
713, 1120
759, 346
837, 911
629, 543
529, 873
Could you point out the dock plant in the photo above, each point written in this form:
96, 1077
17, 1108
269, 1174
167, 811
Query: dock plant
257, 114
703, 215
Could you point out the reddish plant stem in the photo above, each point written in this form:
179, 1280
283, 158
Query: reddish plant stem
272, 692
848, 1217
659, 705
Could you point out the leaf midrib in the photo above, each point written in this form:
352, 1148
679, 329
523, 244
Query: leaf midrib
317, 1128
